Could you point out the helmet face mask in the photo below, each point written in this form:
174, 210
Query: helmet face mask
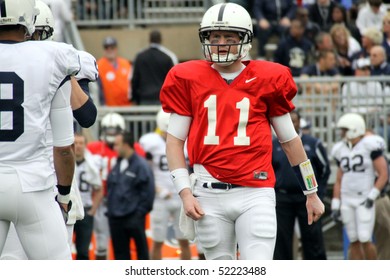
43, 33
44, 25
19, 12
228, 17
112, 124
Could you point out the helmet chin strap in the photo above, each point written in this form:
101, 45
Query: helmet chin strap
226, 60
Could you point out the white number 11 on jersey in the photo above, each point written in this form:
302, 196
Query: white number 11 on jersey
211, 138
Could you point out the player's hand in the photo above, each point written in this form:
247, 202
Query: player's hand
372, 195
369, 203
336, 216
315, 208
65, 209
191, 205
335, 206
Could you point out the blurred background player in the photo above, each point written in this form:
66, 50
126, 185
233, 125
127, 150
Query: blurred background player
91, 191
112, 124
27, 177
166, 207
362, 174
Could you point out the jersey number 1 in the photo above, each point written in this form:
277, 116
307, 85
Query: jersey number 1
11, 107
241, 139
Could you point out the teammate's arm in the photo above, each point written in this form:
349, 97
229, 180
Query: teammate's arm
380, 166
97, 197
61, 119
381, 170
336, 202
84, 110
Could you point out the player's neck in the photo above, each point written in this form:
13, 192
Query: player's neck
234, 67
12, 36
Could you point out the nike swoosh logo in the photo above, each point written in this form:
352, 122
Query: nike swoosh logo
250, 80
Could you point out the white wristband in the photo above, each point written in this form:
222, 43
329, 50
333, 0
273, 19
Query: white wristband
336, 203
373, 194
181, 179
63, 198
309, 192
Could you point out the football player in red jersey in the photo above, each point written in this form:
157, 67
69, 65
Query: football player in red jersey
111, 124
224, 108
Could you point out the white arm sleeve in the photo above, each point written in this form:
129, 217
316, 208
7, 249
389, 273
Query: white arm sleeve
179, 126
61, 117
284, 128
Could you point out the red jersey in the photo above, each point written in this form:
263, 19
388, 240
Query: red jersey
230, 133
106, 157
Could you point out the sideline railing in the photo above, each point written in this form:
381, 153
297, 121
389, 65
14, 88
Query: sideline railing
132, 13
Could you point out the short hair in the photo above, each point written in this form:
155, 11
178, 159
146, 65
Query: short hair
374, 34
128, 138
320, 37
324, 54
375, 3
155, 37
296, 112
80, 135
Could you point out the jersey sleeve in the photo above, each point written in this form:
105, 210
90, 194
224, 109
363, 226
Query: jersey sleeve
89, 68
67, 59
376, 146
174, 96
280, 102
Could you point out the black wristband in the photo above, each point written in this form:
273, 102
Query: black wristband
63, 190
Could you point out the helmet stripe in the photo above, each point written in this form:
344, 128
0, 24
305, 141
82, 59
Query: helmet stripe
3, 11
220, 13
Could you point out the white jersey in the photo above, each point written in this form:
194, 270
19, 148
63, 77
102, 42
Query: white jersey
88, 177
154, 144
89, 68
357, 164
26, 94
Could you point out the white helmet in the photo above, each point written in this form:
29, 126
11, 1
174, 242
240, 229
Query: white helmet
162, 120
226, 17
354, 123
18, 12
111, 125
44, 24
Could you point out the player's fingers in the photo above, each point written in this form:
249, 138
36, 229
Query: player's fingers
310, 217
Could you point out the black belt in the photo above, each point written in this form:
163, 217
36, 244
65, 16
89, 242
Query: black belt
221, 186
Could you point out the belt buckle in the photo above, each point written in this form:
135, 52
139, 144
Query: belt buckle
228, 186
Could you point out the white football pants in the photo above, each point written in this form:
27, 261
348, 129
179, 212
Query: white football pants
240, 216
37, 218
